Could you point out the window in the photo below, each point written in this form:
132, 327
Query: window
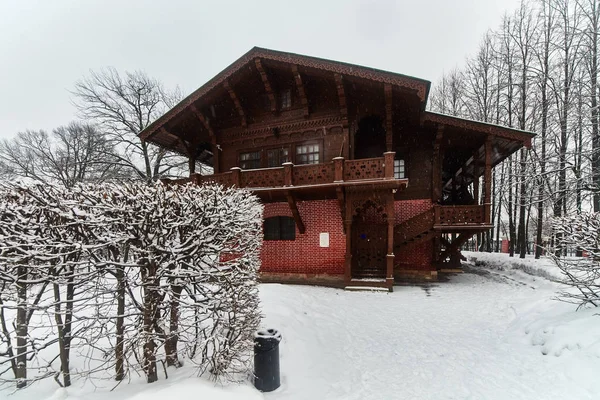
250, 160
285, 99
279, 228
399, 171
276, 157
308, 154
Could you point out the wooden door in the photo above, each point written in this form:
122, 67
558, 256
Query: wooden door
369, 242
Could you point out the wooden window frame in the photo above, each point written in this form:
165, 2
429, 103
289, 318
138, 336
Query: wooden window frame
287, 146
308, 143
403, 153
280, 98
288, 234
247, 151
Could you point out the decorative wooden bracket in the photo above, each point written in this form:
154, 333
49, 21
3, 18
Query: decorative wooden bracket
342, 204
387, 90
294, 208
339, 83
267, 84
300, 88
202, 120
236, 102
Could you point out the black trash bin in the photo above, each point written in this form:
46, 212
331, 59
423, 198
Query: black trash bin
266, 360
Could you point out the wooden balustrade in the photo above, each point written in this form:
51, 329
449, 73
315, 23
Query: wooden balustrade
338, 170
460, 215
365, 168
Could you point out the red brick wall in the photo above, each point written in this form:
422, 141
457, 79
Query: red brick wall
304, 255
418, 256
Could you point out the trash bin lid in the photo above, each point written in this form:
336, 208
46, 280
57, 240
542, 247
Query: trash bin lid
267, 338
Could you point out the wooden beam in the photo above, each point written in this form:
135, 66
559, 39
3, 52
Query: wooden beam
202, 120
438, 163
176, 139
300, 88
387, 91
339, 83
294, 208
236, 102
267, 84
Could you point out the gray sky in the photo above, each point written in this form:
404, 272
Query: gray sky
45, 46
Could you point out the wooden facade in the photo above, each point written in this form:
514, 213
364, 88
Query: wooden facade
345, 148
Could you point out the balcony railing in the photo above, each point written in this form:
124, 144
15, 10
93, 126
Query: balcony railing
338, 170
461, 215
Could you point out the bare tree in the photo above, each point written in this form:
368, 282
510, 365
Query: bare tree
70, 154
124, 105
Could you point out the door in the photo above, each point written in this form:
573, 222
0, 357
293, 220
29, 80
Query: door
369, 242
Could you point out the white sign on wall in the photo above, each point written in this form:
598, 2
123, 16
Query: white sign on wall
324, 239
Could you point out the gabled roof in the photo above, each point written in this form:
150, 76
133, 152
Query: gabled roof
420, 86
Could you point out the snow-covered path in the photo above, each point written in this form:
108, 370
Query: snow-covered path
463, 339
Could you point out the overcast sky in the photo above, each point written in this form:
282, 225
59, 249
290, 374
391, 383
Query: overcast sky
46, 45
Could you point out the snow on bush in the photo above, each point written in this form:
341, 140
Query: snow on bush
100, 282
582, 274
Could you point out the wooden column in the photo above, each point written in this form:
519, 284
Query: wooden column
338, 171
216, 156
438, 161
388, 160
192, 165
387, 90
288, 173
389, 276
348, 258
476, 184
488, 180
236, 176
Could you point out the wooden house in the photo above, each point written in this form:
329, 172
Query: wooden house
361, 185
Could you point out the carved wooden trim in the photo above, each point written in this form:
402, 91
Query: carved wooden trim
387, 90
254, 131
294, 208
236, 102
267, 84
419, 86
339, 83
300, 88
489, 129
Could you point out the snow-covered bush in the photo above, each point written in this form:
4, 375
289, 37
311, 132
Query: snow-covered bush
581, 273
126, 276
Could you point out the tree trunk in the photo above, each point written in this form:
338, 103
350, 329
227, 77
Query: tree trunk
21, 328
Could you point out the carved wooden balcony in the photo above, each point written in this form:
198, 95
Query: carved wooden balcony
323, 177
463, 217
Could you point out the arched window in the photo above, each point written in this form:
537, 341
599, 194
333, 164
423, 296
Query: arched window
279, 228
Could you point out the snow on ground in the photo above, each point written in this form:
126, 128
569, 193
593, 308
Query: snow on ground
485, 334
489, 333
544, 267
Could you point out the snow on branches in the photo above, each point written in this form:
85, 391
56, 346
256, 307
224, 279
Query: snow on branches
120, 278
583, 233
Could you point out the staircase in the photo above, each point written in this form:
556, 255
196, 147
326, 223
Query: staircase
415, 230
